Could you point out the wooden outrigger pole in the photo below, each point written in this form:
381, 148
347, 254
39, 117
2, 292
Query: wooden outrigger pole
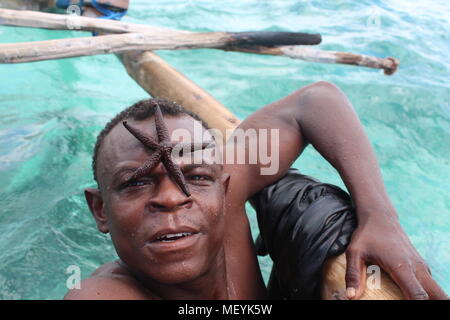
65, 22
117, 43
161, 80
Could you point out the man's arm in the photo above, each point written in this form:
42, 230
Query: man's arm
320, 114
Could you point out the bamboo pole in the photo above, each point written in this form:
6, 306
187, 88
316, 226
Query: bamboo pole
56, 21
87, 46
53, 21
389, 65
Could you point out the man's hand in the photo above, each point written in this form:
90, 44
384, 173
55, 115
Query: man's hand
384, 243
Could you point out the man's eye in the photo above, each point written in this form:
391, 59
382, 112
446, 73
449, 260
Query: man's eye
135, 183
198, 177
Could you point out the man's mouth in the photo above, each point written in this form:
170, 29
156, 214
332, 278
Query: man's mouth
173, 234
174, 240
171, 237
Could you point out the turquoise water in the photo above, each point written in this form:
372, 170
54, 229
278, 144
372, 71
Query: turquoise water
52, 111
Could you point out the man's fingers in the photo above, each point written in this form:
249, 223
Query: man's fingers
433, 290
408, 283
354, 275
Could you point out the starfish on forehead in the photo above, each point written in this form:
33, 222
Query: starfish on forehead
162, 151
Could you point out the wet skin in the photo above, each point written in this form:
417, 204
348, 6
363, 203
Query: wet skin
217, 259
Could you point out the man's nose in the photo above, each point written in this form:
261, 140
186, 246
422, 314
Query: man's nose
168, 197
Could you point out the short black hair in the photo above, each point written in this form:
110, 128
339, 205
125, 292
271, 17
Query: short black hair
141, 110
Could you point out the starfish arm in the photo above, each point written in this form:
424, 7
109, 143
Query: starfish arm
175, 172
191, 147
146, 140
161, 129
148, 166
180, 149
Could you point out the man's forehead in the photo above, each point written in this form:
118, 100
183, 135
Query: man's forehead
120, 145
181, 129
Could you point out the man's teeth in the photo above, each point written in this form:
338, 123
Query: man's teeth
174, 236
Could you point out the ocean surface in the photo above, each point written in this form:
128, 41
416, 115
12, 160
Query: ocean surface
51, 112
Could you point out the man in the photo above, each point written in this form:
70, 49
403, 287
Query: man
188, 237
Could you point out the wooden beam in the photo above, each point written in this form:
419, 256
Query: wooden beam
86, 46
388, 65
68, 22
72, 22
57, 21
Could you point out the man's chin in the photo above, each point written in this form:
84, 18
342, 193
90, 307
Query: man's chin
178, 272
172, 263
176, 264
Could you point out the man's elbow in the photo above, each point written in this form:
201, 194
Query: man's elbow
323, 89
325, 85
319, 97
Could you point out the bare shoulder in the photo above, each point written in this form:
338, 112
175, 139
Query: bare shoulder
109, 282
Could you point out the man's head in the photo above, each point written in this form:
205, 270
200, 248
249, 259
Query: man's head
161, 234
142, 110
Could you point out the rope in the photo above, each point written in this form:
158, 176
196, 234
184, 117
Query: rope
108, 13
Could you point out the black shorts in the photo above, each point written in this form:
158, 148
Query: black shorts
302, 222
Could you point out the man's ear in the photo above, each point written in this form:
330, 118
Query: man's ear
225, 181
95, 202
